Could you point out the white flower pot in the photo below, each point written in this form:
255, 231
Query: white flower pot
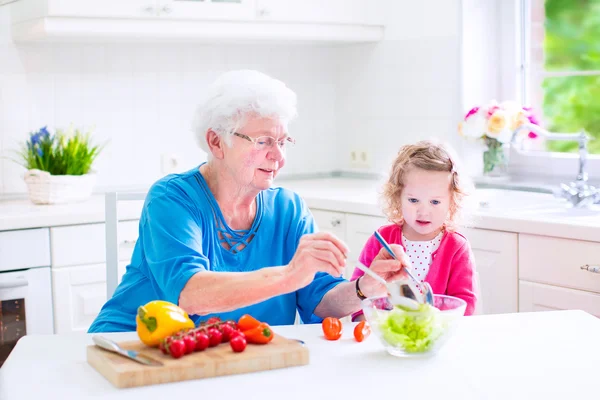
45, 188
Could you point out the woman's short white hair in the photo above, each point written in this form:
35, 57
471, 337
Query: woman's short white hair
234, 96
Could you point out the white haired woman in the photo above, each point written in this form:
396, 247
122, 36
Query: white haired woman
218, 240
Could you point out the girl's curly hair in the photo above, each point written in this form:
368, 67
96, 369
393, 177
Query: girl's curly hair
430, 156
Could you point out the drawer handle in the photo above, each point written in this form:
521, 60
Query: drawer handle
336, 222
592, 268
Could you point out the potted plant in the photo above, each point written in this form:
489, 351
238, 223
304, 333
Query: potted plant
59, 166
494, 124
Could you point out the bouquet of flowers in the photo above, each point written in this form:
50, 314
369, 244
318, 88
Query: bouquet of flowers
494, 124
65, 153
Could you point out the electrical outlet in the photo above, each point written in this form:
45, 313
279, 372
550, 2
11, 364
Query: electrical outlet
360, 159
169, 163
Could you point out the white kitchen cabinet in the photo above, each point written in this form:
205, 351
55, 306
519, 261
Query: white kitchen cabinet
79, 292
95, 8
558, 262
207, 21
539, 297
25, 248
358, 230
496, 260
226, 10
357, 12
86, 244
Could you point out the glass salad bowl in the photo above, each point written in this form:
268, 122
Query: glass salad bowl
408, 333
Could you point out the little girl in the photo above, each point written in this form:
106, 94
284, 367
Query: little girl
423, 197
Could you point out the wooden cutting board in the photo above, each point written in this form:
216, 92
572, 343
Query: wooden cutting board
215, 361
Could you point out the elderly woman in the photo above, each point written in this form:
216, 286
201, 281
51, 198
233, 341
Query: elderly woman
219, 240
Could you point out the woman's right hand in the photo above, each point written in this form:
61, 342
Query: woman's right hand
317, 252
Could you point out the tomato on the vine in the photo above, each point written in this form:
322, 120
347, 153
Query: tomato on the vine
238, 343
202, 341
177, 348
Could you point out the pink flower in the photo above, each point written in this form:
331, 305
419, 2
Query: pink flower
492, 110
471, 112
532, 119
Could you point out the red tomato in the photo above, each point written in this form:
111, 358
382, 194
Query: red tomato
202, 341
238, 343
362, 331
177, 348
213, 320
332, 328
214, 337
190, 343
227, 330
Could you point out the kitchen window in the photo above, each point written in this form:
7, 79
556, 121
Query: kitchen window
562, 67
544, 54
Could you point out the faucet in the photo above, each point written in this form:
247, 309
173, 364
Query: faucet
578, 193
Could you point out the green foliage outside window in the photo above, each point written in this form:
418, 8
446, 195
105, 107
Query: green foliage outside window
572, 43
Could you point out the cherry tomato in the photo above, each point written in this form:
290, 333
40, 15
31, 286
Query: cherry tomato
190, 343
201, 341
227, 330
214, 337
246, 322
177, 348
238, 343
233, 324
162, 347
213, 320
362, 331
332, 328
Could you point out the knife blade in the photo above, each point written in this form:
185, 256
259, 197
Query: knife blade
109, 345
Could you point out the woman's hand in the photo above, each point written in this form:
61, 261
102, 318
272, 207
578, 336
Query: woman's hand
317, 252
386, 267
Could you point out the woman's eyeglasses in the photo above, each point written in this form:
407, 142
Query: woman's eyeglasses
267, 142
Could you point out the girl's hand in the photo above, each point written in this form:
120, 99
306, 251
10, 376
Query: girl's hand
317, 252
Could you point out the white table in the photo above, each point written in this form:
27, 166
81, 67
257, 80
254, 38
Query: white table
542, 355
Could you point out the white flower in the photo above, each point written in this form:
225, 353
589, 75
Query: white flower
475, 126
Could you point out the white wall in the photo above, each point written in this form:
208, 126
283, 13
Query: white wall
141, 97
405, 88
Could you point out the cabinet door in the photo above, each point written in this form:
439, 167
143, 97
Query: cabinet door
358, 230
559, 262
225, 10
496, 259
539, 297
318, 11
104, 8
79, 293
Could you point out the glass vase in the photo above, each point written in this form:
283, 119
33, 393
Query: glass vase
495, 159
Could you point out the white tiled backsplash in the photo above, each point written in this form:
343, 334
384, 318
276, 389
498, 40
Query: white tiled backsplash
141, 98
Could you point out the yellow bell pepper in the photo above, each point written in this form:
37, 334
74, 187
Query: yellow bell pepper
159, 319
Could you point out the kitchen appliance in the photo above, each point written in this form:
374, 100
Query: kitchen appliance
25, 306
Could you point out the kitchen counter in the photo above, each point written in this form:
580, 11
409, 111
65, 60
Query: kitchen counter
516, 356
20, 213
495, 209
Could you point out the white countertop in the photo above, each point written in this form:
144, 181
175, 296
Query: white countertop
543, 355
504, 210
